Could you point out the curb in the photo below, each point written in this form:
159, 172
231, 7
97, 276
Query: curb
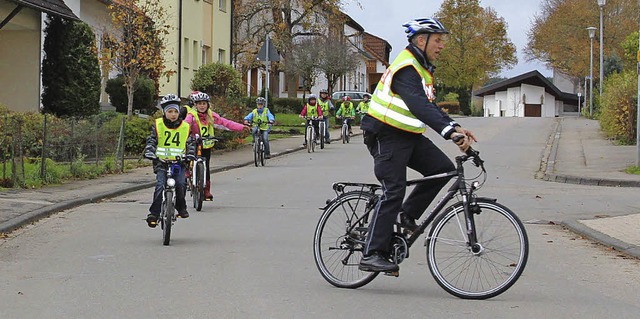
547, 167
40, 213
581, 229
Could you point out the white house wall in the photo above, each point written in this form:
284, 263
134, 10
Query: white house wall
20, 61
490, 106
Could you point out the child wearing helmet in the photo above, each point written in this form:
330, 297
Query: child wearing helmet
263, 119
346, 111
203, 121
363, 106
312, 112
179, 143
327, 107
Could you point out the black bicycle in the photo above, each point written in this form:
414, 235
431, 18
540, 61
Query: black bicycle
476, 248
197, 179
258, 144
168, 210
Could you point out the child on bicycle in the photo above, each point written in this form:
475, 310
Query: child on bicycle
311, 112
346, 111
203, 121
363, 106
263, 119
175, 141
327, 108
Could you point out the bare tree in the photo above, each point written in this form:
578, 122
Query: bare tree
338, 59
304, 60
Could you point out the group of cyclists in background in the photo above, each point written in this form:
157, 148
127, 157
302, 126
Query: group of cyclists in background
316, 110
177, 134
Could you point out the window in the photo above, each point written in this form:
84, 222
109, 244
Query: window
195, 51
205, 54
185, 54
221, 55
222, 5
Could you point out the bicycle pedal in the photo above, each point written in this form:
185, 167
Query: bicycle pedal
392, 273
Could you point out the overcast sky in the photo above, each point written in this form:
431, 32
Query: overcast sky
384, 19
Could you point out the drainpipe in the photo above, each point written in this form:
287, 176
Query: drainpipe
179, 48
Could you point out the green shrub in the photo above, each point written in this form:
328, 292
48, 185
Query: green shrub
618, 107
287, 105
143, 96
450, 107
218, 80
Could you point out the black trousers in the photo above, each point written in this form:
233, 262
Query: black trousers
392, 154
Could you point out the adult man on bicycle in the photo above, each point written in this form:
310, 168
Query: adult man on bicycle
401, 107
265, 119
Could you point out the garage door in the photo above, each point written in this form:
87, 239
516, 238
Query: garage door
533, 110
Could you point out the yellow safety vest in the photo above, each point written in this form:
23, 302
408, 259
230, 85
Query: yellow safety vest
312, 110
205, 131
324, 106
171, 142
388, 107
262, 118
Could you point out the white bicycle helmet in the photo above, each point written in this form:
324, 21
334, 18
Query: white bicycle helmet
199, 96
260, 100
169, 99
423, 25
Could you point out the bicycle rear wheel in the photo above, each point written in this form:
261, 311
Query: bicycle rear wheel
496, 264
199, 191
339, 239
167, 217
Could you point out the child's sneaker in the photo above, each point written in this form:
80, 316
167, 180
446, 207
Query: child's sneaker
152, 220
183, 214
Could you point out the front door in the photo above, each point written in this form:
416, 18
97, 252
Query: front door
532, 110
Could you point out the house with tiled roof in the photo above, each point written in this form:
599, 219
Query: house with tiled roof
379, 49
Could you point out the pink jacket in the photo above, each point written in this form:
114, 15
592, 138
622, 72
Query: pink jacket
219, 122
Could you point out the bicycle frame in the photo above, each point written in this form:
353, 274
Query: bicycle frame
458, 187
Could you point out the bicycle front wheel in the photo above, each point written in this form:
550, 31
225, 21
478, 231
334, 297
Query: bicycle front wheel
339, 239
345, 130
261, 147
256, 152
486, 270
309, 138
199, 193
167, 217
322, 134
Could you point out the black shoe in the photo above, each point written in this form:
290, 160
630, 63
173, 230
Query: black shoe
407, 222
183, 214
377, 263
267, 156
152, 220
327, 142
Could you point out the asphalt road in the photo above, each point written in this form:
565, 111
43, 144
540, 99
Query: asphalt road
249, 254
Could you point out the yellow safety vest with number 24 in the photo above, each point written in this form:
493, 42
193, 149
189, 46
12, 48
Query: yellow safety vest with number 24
171, 142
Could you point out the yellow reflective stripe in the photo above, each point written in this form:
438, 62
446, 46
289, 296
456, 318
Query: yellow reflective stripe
410, 122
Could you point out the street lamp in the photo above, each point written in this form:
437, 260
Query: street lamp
601, 3
592, 34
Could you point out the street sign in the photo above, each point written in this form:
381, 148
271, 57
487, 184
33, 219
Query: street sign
273, 52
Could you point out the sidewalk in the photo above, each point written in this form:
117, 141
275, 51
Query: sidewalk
577, 153
19, 207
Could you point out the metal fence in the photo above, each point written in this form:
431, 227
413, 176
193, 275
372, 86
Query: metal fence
40, 139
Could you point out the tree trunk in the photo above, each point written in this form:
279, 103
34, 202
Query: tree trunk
292, 85
464, 97
130, 91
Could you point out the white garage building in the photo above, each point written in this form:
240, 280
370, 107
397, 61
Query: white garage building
527, 95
